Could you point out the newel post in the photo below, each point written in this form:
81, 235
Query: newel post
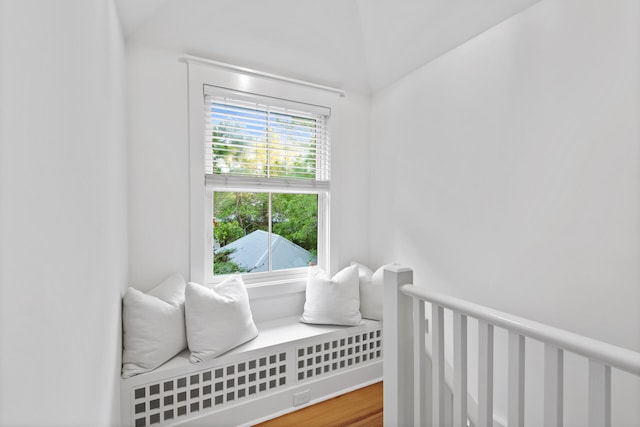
397, 347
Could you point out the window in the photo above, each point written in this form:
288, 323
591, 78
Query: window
266, 167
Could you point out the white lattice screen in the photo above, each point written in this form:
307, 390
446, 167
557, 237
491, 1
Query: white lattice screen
172, 400
334, 355
161, 402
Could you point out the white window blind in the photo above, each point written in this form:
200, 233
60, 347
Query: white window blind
254, 141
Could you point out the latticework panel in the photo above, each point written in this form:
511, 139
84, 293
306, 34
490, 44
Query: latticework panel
169, 400
336, 354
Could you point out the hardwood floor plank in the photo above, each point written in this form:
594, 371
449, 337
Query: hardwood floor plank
374, 420
360, 408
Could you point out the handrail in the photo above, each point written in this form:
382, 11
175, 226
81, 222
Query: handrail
609, 354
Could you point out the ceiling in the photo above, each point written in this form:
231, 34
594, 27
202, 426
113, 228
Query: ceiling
356, 45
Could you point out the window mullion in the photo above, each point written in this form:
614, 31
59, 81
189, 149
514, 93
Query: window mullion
270, 233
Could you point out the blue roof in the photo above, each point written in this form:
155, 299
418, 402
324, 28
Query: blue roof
251, 252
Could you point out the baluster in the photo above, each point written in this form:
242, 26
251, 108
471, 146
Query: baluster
421, 397
599, 394
553, 386
485, 374
459, 370
516, 380
437, 377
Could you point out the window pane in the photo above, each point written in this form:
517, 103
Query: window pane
292, 142
240, 232
239, 140
295, 230
259, 141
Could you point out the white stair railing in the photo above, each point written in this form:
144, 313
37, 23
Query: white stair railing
416, 395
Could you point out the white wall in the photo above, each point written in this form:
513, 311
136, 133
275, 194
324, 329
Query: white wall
507, 172
63, 250
158, 153
159, 182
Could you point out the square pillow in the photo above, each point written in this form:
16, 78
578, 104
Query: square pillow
332, 301
371, 291
153, 329
218, 318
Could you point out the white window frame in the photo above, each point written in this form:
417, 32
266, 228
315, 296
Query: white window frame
203, 73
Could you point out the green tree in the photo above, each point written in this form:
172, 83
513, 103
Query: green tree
227, 232
222, 264
249, 210
295, 217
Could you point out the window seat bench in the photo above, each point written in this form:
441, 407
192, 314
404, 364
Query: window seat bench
287, 366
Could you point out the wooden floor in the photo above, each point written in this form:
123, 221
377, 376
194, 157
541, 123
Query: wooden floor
360, 408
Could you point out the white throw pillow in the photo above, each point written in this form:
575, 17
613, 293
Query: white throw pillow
153, 329
332, 301
218, 319
371, 291
378, 276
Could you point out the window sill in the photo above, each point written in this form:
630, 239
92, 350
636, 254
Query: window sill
276, 288
273, 284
